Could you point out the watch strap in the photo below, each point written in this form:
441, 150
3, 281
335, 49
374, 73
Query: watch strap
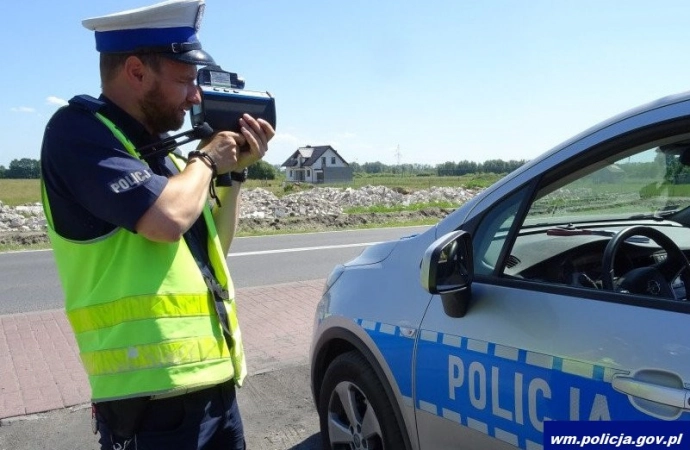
240, 177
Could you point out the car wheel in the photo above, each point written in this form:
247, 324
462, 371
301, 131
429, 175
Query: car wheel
354, 412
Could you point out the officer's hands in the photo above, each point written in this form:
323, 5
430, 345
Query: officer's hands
224, 147
256, 133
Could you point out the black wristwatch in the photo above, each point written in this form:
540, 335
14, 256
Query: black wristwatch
240, 177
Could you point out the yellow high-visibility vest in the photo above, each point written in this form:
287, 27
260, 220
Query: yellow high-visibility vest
142, 314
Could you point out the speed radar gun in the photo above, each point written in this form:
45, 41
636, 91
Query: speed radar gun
224, 100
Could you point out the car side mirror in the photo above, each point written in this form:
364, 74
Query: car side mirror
448, 269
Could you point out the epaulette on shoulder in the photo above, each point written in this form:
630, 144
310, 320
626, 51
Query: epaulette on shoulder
87, 102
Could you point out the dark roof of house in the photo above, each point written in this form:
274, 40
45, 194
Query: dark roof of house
310, 154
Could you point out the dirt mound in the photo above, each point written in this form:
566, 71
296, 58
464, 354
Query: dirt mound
22, 238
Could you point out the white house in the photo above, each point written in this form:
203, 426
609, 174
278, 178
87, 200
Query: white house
320, 164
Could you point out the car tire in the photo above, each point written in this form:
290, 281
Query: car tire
354, 412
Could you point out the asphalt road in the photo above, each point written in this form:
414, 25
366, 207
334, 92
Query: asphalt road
29, 281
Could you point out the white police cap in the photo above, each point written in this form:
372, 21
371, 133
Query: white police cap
169, 28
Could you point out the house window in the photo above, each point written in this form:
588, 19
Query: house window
323, 161
308, 173
291, 174
333, 160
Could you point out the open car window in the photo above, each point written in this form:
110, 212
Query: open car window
650, 182
564, 235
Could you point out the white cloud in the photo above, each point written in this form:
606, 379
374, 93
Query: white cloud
23, 109
52, 100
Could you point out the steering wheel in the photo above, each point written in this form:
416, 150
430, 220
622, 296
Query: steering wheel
655, 280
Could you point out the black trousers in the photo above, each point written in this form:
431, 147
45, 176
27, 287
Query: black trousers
208, 419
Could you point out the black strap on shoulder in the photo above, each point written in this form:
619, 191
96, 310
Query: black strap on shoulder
87, 102
219, 293
196, 241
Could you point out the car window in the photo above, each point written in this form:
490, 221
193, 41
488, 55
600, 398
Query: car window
573, 217
492, 233
643, 183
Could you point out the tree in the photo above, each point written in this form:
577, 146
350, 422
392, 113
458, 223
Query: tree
261, 170
464, 167
24, 168
374, 167
445, 169
495, 166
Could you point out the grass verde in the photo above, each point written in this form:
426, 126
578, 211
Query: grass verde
15, 192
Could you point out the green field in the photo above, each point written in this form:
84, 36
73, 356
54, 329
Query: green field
19, 192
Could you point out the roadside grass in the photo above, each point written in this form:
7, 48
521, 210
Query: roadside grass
382, 209
7, 248
429, 221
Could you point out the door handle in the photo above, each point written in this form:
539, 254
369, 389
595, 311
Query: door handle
652, 392
655, 392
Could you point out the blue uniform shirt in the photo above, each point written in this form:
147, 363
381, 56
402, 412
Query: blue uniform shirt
94, 185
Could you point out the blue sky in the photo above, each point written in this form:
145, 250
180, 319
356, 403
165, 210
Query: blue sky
390, 81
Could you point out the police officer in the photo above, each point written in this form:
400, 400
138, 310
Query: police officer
140, 250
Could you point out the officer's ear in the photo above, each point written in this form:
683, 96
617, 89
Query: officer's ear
135, 71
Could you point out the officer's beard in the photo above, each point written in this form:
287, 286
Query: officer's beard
160, 117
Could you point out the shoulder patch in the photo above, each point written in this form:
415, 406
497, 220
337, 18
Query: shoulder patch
130, 181
86, 102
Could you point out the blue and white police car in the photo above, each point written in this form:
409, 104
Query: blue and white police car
558, 293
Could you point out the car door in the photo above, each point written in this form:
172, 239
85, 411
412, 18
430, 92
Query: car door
542, 339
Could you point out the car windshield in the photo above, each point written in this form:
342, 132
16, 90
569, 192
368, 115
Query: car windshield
653, 183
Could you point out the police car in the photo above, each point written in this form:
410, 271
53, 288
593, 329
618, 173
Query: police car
558, 293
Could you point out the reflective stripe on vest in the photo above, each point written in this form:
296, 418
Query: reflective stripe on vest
141, 312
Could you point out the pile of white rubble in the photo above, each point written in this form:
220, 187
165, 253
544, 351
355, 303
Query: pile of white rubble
259, 203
